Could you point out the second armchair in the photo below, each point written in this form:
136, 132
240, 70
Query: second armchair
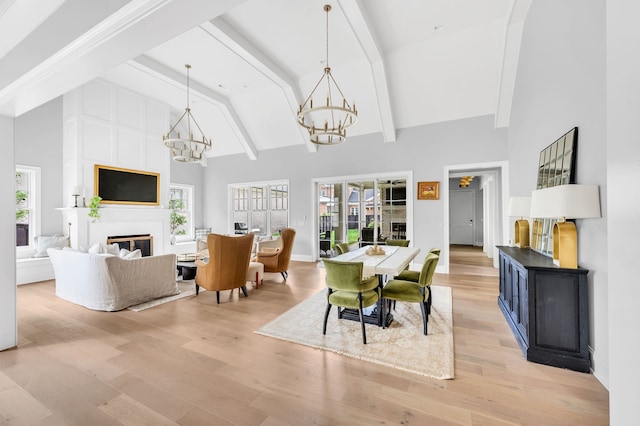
277, 259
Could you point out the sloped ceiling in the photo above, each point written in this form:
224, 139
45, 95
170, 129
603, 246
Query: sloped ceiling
404, 62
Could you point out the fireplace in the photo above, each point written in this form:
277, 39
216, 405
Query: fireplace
144, 242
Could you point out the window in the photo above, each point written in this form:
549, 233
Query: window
27, 209
181, 206
262, 208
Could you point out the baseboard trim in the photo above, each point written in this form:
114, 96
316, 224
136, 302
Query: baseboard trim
31, 270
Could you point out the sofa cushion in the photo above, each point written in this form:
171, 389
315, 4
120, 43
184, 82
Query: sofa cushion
44, 242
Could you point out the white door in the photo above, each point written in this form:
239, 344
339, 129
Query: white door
461, 208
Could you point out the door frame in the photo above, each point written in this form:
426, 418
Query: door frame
495, 195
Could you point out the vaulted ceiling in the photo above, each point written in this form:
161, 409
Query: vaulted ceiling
404, 62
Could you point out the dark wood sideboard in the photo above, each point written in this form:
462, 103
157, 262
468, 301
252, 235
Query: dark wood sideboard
546, 308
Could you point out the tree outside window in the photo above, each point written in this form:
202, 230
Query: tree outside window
181, 206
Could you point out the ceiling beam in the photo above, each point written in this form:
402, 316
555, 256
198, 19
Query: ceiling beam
176, 79
220, 30
50, 62
514, 27
360, 23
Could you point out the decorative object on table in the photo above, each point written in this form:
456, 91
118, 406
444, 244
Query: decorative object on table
564, 202
556, 167
520, 207
228, 264
429, 190
327, 122
277, 259
375, 250
75, 193
401, 345
420, 292
186, 149
94, 208
347, 289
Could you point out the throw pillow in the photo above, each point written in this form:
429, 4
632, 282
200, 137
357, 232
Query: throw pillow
113, 249
124, 252
136, 254
97, 248
43, 242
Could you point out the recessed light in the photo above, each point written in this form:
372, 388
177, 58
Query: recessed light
220, 86
438, 27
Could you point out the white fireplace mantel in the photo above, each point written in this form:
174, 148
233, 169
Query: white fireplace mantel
84, 231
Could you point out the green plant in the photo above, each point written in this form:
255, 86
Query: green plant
94, 208
176, 219
20, 197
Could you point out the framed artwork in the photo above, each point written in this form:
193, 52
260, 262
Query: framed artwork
428, 190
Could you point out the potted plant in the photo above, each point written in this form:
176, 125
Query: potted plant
94, 208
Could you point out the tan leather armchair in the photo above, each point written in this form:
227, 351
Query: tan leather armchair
277, 259
228, 264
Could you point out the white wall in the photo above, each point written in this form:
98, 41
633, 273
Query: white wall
38, 142
8, 321
561, 84
623, 172
424, 150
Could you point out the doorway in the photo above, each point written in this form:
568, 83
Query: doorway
493, 182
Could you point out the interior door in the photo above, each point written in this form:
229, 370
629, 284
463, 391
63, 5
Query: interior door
461, 208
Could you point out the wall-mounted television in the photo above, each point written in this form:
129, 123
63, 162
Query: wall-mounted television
125, 186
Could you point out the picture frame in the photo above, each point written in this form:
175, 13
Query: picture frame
429, 190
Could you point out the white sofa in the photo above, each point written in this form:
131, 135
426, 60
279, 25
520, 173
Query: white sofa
106, 282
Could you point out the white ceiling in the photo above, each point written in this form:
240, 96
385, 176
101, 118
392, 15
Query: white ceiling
404, 62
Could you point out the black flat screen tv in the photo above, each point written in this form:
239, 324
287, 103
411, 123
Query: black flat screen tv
125, 186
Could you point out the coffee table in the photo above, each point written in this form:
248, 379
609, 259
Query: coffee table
187, 270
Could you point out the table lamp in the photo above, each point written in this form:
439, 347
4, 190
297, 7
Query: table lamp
566, 202
520, 207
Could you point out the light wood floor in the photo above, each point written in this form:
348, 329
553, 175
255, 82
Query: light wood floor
193, 362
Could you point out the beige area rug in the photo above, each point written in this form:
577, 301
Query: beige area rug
186, 288
402, 345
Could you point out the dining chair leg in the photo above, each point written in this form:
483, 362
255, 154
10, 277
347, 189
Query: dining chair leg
364, 333
197, 289
326, 315
218, 297
423, 308
244, 290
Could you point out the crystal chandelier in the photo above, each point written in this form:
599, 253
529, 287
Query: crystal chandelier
186, 149
327, 122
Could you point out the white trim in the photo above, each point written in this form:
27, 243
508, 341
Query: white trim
191, 233
500, 232
406, 174
35, 224
269, 183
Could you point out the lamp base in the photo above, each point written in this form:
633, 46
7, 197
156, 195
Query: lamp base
565, 245
521, 233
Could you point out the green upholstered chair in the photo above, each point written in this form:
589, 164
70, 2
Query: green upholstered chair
400, 243
414, 276
342, 248
409, 291
347, 289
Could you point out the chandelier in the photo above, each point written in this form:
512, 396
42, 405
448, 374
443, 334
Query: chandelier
186, 149
327, 122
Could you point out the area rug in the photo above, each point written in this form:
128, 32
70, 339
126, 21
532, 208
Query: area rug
186, 289
401, 346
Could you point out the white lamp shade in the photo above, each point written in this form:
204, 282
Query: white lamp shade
566, 201
519, 206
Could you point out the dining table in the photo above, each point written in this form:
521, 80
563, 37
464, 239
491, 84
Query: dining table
391, 261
